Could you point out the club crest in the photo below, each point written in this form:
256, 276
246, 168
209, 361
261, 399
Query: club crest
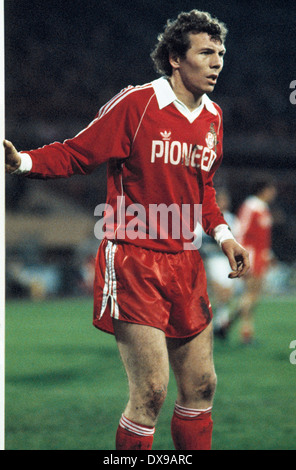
211, 138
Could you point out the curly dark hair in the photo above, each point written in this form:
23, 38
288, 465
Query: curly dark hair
175, 38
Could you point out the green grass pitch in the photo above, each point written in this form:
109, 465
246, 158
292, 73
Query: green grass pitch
66, 387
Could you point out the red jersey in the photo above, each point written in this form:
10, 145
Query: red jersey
255, 223
158, 153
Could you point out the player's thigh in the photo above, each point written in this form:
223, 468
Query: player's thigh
193, 366
144, 354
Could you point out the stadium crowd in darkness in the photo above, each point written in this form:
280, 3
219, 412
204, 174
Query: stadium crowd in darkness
66, 59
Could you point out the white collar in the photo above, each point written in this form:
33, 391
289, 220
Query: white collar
165, 96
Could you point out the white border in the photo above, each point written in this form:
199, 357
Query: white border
2, 234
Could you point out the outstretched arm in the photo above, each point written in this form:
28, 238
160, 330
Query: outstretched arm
108, 136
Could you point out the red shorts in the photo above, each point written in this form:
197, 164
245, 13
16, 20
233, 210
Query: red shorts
163, 290
259, 261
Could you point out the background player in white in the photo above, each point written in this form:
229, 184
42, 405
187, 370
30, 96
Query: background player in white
221, 287
154, 292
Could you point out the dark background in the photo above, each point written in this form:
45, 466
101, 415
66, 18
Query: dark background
65, 59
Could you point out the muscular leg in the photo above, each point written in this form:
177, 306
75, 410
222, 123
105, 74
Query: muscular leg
193, 366
192, 363
144, 354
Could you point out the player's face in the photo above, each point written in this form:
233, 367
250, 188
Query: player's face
200, 68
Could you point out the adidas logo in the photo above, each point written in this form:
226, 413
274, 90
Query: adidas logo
166, 135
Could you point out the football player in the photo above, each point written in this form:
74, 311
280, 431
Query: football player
163, 144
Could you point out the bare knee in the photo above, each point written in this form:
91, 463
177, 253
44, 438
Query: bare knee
200, 391
206, 387
146, 403
155, 398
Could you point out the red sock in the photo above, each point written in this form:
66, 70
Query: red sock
192, 429
132, 436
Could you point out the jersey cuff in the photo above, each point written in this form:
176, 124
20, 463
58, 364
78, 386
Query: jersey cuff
221, 233
25, 166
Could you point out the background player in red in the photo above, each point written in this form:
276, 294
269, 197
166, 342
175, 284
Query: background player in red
163, 144
254, 225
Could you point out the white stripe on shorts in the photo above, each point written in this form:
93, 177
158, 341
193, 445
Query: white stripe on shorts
110, 286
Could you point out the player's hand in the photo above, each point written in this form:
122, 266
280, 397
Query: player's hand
12, 158
238, 258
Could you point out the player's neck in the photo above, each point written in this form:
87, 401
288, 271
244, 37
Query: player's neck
187, 97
